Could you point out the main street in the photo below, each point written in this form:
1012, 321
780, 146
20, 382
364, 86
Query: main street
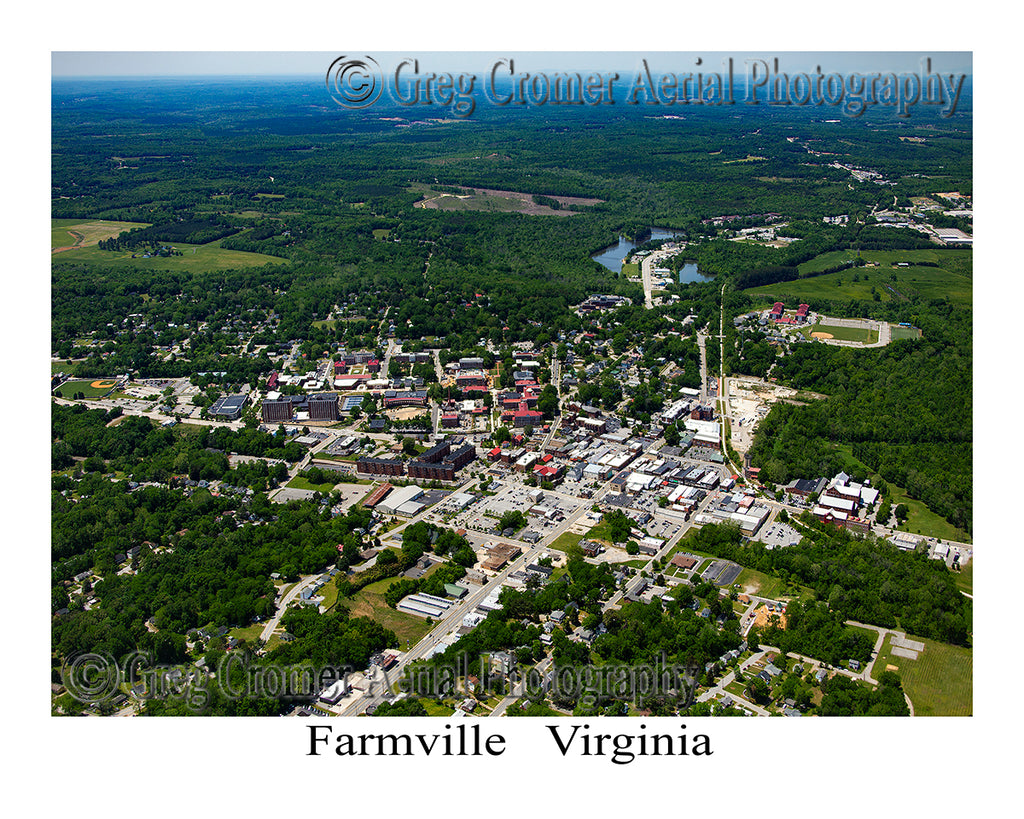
446, 625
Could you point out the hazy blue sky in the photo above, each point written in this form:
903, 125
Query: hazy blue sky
251, 63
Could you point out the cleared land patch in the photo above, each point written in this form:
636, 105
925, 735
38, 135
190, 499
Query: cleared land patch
486, 199
75, 233
939, 682
369, 602
197, 258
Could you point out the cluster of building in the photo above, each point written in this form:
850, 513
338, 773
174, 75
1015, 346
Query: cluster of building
439, 463
602, 302
739, 508
838, 501
777, 314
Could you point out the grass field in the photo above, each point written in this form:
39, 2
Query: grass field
939, 682
965, 578
369, 602
764, 585
565, 541
951, 279
195, 258
298, 482
86, 232
899, 333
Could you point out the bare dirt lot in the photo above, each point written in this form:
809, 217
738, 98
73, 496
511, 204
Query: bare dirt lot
488, 199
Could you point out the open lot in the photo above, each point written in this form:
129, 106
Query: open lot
939, 682
369, 602
67, 233
488, 200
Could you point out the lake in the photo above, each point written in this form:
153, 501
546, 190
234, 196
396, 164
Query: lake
612, 256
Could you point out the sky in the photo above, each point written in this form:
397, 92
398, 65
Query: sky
307, 63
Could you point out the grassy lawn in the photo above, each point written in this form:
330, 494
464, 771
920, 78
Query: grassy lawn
565, 541
964, 578
195, 258
631, 270
248, 633
298, 482
920, 519
369, 602
329, 592
939, 682
764, 585
437, 709
923, 521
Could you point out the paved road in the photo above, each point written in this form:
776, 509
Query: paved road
450, 621
294, 592
520, 689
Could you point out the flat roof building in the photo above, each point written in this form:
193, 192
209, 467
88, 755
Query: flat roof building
229, 406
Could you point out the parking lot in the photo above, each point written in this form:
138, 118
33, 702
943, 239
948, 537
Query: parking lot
774, 535
514, 496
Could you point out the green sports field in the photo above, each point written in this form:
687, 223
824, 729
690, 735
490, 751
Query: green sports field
89, 387
858, 334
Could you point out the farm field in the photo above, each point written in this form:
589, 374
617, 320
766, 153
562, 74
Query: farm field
939, 682
951, 280
194, 258
86, 232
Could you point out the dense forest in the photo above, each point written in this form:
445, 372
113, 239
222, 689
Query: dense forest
869, 581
